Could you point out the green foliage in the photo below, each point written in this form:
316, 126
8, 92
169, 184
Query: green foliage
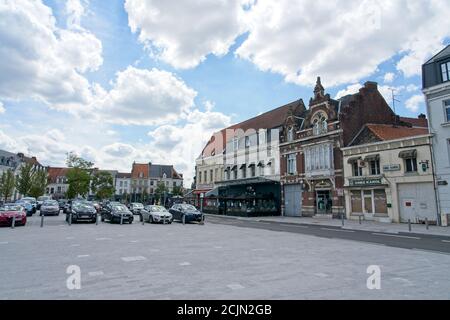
38, 183
78, 176
25, 179
7, 184
177, 191
103, 185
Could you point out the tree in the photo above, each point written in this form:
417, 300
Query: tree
25, 179
160, 190
7, 184
103, 185
38, 183
177, 191
78, 176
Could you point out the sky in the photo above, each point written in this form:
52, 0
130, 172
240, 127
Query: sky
150, 81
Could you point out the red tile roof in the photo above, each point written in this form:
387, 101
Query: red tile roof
416, 122
389, 132
55, 172
139, 168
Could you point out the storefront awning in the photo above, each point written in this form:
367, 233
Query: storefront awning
353, 159
372, 157
406, 154
242, 166
234, 167
260, 164
251, 165
213, 193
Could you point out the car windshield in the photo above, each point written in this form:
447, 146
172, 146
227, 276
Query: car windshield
10, 207
187, 207
50, 203
82, 206
119, 207
31, 200
158, 209
138, 205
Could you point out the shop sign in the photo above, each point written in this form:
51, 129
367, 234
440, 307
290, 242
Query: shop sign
365, 182
391, 167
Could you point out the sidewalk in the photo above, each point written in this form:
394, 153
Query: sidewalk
353, 225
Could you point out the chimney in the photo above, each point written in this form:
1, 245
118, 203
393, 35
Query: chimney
20, 155
422, 116
371, 85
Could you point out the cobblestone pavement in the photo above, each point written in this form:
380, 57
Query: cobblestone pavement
211, 261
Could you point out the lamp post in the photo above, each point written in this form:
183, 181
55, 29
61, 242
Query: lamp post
202, 195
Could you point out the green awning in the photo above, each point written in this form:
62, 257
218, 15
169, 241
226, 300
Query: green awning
353, 159
372, 157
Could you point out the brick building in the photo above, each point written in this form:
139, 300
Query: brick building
311, 161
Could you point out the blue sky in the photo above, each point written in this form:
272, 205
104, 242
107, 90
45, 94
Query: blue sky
151, 81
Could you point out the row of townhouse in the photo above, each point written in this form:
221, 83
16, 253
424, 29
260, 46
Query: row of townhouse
14, 162
351, 156
143, 180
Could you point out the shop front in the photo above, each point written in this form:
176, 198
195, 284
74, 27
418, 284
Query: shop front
245, 197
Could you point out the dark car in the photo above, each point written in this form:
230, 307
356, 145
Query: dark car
10, 210
136, 207
62, 203
49, 208
188, 211
33, 202
40, 201
116, 212
29, 209
82, 211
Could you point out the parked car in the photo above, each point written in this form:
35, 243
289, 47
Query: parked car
187, 210
114, 212
156, 214
82, 211
40, 201
10, 210
49, 208
62, 203
97, 205
28, 207
136, 207
33, 202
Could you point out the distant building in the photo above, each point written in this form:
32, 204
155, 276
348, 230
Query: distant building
57, 182
14, 162
436, 87
389, 175
122, 184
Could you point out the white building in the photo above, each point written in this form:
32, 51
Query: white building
123, 183
436, 87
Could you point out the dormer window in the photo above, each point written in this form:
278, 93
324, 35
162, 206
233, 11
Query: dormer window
290, 134
320, 124
445, 70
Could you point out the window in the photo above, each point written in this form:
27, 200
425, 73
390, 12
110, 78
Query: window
291, 164
244, 172
447, 110
211, 176
252, 171
235, 175
235, 143
375, 167
247, 142
320, 124
411, 165
448, 149
205, 176
199, 177
290, 134
121, 183
174, 184
216, 174
228, 174
318, 157
445, 70
357, 170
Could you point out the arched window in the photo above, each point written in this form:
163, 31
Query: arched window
320, 124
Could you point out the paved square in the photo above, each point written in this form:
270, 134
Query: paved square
210, 261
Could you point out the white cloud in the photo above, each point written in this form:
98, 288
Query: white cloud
388, 77
118, 149
2, 108
42, 61
182, 33
75, 10
413, 103
351, 89
144, 97
342, 41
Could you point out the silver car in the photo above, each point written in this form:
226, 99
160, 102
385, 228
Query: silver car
50, 208
156, 214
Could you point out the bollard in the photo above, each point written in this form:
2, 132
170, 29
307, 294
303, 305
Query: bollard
42, 220
426, 223
409, 225
342, 217
13, 223
202, 222
359, 219
183, 219
142, 219
96, 219
70, 219
121, 219
164, 220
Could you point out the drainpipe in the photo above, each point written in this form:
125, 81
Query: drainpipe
433, 161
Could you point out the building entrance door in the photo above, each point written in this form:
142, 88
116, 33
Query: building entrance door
323, 201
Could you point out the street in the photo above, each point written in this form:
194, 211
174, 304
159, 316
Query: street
218, 260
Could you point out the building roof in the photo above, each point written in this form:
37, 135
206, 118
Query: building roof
140, 170
386, 132
150, 170
123, 175
421, 121
440, 55
267, 120
55, 172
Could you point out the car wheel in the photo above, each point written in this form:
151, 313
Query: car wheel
102, 218
150, 219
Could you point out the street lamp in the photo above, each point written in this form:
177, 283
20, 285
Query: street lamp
202, 195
